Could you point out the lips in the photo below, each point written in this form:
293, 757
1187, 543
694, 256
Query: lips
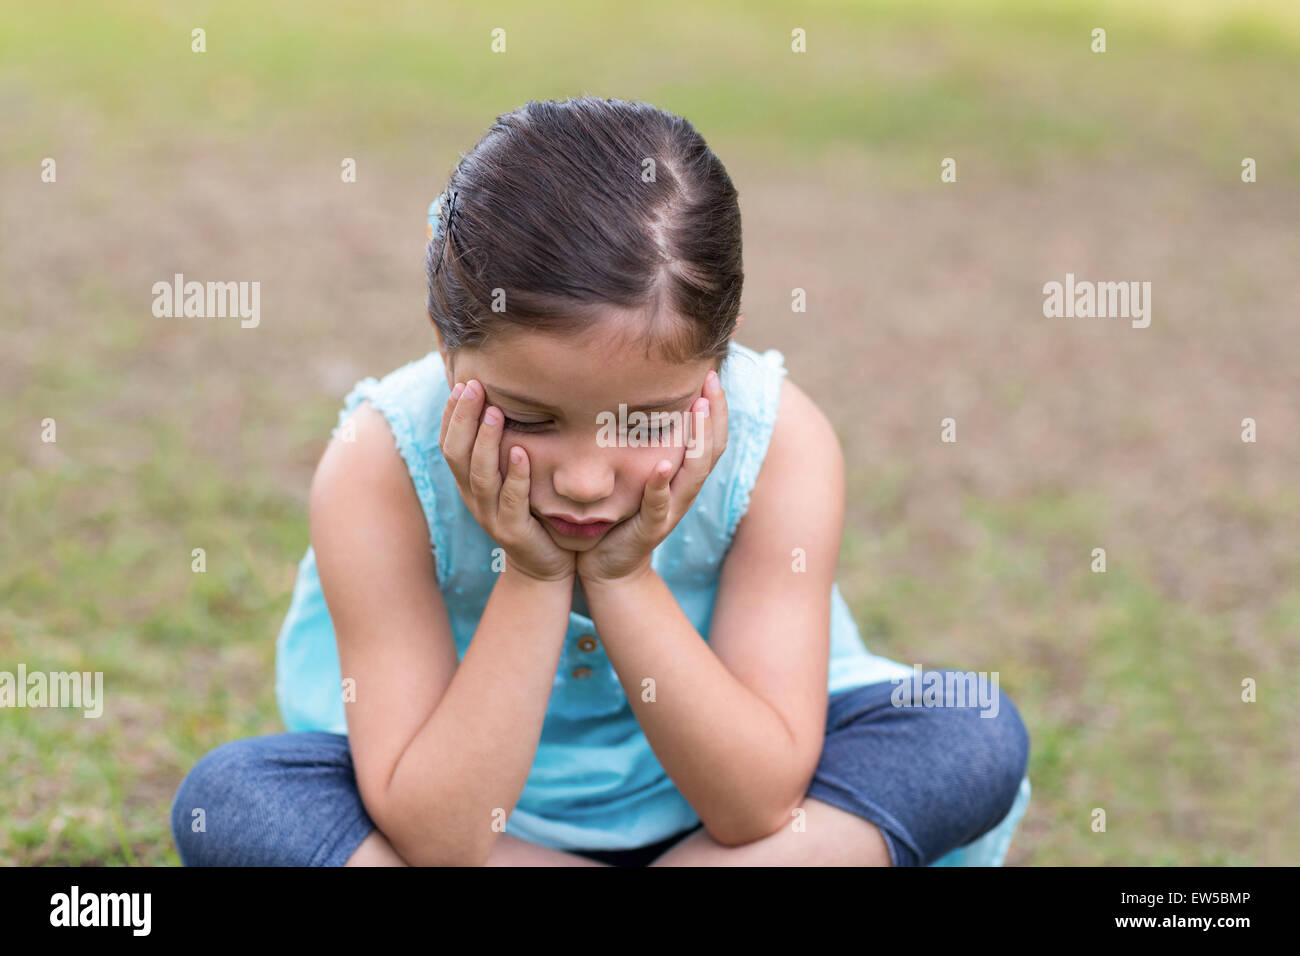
566, 525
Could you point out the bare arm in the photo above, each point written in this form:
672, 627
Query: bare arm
727, 750
438, 746
738, 723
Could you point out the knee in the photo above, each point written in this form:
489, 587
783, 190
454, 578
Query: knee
208, 793
999, 742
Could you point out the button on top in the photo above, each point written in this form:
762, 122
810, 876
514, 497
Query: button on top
581, 672
587, 642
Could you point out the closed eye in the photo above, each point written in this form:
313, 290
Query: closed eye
524, 427
532, 427
662, 429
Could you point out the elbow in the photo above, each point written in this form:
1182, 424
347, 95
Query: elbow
777, 811
418, 849
437, 853
422, 839
739, 830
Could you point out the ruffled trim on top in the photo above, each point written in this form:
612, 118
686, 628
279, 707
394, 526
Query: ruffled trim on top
417, 466
753, 451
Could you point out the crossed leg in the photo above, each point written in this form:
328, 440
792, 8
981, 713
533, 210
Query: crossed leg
831, 837
375, 850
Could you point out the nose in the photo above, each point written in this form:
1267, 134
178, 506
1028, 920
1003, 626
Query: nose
584, 476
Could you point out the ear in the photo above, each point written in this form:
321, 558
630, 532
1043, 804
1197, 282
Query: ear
740, 320
446, 360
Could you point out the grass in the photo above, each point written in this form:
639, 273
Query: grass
172, 438
1006, 82
1136, 700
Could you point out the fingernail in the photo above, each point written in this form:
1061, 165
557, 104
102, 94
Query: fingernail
704, 411
460, 387
712, 378
471, 389
492, 416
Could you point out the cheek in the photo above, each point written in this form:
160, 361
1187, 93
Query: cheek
643, 461
634, 465
535, 451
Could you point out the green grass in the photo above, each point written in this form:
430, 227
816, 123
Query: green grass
1133, 695
1134, 700
1006, 82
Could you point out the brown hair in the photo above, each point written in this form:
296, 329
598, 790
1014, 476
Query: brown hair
555, 210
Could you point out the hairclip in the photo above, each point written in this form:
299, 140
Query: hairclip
434, 208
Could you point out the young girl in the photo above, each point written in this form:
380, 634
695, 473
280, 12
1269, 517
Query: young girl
570, 594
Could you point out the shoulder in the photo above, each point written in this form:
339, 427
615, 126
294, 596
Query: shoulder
411, 398
800, 483
362, 473
800, 427
804, 450
362, 452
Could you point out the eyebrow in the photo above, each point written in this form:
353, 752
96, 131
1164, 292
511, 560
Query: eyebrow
644, 407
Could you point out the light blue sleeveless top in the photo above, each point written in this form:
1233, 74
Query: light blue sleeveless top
595, 783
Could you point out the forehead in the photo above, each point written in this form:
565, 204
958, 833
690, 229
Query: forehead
580, 371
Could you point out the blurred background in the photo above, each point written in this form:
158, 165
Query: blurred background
924, 302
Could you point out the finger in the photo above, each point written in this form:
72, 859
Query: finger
485, 463
462, 431
718, 411
698, 461
656, 500
514, 490
447, 409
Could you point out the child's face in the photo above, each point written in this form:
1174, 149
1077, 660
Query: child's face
551, 389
